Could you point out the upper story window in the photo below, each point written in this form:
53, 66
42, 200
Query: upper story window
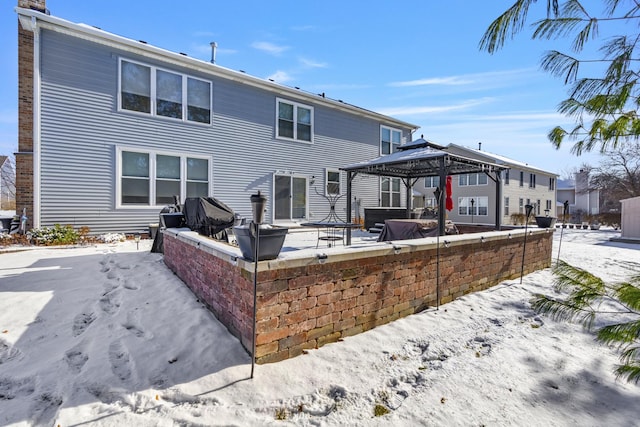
432, 182
552, 183
151, 90
148, 178
521, 179
506, 177
333, 182
294, 121
389, 140
472, 179
532, 180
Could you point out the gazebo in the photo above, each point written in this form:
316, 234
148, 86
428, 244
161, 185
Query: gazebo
419, 159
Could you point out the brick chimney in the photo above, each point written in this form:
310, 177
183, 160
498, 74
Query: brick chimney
24, 156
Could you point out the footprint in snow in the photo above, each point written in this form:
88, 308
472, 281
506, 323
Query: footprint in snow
81, 322
75, 359
10, 388
45, 408
110, 302
8, 352
120, 361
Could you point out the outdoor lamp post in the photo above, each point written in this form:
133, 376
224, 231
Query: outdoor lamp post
528, 209
258, 202
472, 211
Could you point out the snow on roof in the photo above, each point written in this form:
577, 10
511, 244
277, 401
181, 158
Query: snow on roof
497, 158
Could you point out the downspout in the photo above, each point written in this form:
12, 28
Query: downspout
36, 124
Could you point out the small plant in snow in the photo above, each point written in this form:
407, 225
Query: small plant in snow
112, 238
281, 414
380, 410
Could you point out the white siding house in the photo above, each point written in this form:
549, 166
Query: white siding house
119, 127
474, 195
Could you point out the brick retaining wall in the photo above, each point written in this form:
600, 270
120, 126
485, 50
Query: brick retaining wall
304, 304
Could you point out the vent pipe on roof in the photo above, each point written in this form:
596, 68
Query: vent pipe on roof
214, 47
479, 146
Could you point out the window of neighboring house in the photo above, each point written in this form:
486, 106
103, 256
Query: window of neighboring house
548, 208
520, 205
153, 179
389, 140
521, 179
538, 206
506, 177
552, 184
432, 182
430, 202
479, 207
506, 206
295, 121
390, 192
532, 180
162, 93
333, 182
472, 179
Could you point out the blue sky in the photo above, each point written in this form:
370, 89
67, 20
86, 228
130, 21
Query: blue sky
414, 60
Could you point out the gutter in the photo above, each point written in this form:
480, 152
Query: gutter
96, 35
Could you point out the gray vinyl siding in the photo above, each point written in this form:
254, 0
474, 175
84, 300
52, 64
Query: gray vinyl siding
81, 128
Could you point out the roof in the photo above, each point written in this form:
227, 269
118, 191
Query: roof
423, 160
501, 159
566, 184
31, 19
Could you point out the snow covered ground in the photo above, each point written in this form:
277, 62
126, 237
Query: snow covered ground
107, 335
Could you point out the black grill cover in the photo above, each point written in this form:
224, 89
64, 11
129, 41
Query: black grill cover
208, 216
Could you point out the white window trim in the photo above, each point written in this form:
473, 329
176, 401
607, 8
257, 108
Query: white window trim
466, 202
326, 181
153, 112
391, 142
466, 175
429, 184
295, 121
152, 175
273, 191
391, 192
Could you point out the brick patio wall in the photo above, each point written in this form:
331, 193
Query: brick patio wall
304, 304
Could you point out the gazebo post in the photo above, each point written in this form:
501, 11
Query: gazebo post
498, 200
350, 176
441, 209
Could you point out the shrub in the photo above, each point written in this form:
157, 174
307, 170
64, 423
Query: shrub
56, 235
517, 218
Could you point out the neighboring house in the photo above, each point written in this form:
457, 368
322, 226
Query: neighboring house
7, 184
110, 129
582, 199
630, 219
474, 195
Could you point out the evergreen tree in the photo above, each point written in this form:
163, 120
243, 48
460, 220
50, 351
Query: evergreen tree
604, 108
593, 302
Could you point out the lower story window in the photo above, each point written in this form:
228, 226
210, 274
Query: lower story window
390, 192
506, 206
153, 179
473, 206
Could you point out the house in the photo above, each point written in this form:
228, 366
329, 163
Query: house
630, 220
7, 184
475, 196
582, 199
111, 128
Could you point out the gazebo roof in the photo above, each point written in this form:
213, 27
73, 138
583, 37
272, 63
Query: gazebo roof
421, 158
